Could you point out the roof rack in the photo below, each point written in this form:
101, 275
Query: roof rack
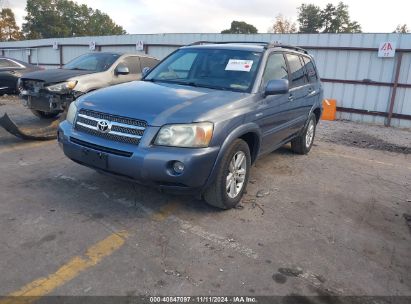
287, 46
228, 42
265, 44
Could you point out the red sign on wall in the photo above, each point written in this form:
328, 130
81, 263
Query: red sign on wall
386, 49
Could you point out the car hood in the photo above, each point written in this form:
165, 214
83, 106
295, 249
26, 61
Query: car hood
161, 103
54, 75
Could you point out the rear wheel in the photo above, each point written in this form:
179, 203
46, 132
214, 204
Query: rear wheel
303, 143
45, 115
232, 177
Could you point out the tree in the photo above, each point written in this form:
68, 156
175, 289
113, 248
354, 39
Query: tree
309, 18
336, 19
402, 28
332, 19
283, 26
240, 27
8, 27
65, 18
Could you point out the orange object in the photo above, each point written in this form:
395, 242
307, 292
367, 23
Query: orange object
330, 109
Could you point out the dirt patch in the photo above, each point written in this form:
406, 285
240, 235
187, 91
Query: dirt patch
362, 140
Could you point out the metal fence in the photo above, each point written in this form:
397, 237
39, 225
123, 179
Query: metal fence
367, 88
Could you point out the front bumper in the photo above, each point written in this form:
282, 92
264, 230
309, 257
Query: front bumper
145, 163
46, 102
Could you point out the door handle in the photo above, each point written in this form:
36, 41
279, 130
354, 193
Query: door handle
312, 93
291, 97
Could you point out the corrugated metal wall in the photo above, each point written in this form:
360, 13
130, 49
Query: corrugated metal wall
334, 63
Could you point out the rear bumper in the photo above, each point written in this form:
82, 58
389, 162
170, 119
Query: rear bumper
145, 163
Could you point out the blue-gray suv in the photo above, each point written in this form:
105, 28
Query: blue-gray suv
199, 119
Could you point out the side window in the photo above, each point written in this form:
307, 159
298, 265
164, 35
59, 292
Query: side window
5, 63
296, 70
309, 67
276, 68
133, 64
147, 62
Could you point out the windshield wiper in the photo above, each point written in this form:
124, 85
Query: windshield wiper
80, 69
201, 85
188, 83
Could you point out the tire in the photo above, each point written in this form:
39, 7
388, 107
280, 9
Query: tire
217, 194
45, 115
303, 143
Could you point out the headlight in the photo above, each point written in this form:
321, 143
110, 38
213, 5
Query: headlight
71, 113
196, 135
62, 87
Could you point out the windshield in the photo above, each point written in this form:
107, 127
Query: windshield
97, 62
212, 68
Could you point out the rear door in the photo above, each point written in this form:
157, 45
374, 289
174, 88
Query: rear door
314, 88
271, 113
299, 90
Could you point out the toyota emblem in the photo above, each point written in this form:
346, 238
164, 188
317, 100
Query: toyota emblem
104, 126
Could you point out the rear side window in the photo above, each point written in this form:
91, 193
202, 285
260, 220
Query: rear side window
133, 64
276, 68
296, 70
309, 67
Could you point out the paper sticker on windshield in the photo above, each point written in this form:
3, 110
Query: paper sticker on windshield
239, 65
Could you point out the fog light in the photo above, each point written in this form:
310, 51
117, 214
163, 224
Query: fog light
178, 167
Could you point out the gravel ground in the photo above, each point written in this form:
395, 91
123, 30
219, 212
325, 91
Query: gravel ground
365, 136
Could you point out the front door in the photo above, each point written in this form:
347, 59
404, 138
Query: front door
272, 113
133, 64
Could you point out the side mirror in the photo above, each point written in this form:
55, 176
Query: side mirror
277, 87
145, 71
121, 70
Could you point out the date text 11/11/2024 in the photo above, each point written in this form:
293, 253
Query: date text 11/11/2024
203, 299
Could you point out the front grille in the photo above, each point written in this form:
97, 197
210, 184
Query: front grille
122, 129
32, 85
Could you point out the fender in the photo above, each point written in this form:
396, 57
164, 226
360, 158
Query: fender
313, 108
236, 133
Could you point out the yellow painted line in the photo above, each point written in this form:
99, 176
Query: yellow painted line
43, 286
165, 211
364, 159
17, 147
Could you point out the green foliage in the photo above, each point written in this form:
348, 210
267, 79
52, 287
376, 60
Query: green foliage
336, 19
332, 19
309, 18
9, 30
64, 18
240, 27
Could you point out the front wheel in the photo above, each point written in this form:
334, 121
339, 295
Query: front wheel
303, 143
232, 177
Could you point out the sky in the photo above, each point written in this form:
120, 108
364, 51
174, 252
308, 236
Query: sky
213, 16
